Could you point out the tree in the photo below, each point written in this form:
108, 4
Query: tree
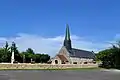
29, 50
110, 57
44, 58
16, 52
6, 53
116, 49
37, 58
103, 53
6, 46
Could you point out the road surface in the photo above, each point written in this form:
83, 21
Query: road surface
59, 75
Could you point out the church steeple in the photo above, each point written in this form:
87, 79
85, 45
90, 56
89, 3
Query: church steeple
67, 41
67, 36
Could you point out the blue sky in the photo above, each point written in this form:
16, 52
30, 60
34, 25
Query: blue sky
93, 20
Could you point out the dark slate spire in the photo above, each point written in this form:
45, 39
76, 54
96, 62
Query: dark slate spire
67, 41
67, 36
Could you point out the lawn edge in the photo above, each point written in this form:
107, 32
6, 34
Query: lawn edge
95, 68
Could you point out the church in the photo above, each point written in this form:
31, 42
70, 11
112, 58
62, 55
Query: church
69, 55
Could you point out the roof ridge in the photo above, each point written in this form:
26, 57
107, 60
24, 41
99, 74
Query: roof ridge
82, 50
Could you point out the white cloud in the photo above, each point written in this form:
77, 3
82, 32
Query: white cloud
51, 45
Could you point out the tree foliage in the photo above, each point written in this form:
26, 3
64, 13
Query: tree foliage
28, 56
5, 54
110, 57
30, 51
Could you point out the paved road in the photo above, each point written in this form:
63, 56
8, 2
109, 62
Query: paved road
59, 75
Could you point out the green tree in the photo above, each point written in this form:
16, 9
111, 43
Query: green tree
37, 58
16, 52
116, 49
29, 50
5, 54
110, 57
103, 53
44, 58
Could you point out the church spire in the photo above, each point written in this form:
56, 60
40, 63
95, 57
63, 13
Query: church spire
67, 36
67, 41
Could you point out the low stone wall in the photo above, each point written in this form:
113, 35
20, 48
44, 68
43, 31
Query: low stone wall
45, 66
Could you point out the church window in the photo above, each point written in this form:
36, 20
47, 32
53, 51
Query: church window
67, 61
56, 61
85, 62
63, 62
74, 62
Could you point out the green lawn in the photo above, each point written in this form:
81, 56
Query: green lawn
59, 69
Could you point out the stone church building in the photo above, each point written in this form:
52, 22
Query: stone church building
69, 55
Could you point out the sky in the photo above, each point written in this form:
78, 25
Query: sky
40, 24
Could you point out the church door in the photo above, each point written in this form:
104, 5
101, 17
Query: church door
56, 61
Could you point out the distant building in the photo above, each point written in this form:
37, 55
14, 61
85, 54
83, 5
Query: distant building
69, 55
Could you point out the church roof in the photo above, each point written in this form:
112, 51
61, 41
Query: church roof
75, 52
81, 53
62, 58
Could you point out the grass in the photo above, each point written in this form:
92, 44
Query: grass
95, 68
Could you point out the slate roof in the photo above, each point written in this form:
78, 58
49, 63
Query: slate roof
81, 53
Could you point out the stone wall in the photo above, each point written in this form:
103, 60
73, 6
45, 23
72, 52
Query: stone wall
44, 66
81, 60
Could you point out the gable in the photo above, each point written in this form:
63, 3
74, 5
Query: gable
63, 51
62, 58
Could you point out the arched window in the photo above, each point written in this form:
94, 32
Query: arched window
56, 61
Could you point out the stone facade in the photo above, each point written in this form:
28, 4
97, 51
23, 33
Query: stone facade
75, 60
70, 60
69, 55
56, 60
